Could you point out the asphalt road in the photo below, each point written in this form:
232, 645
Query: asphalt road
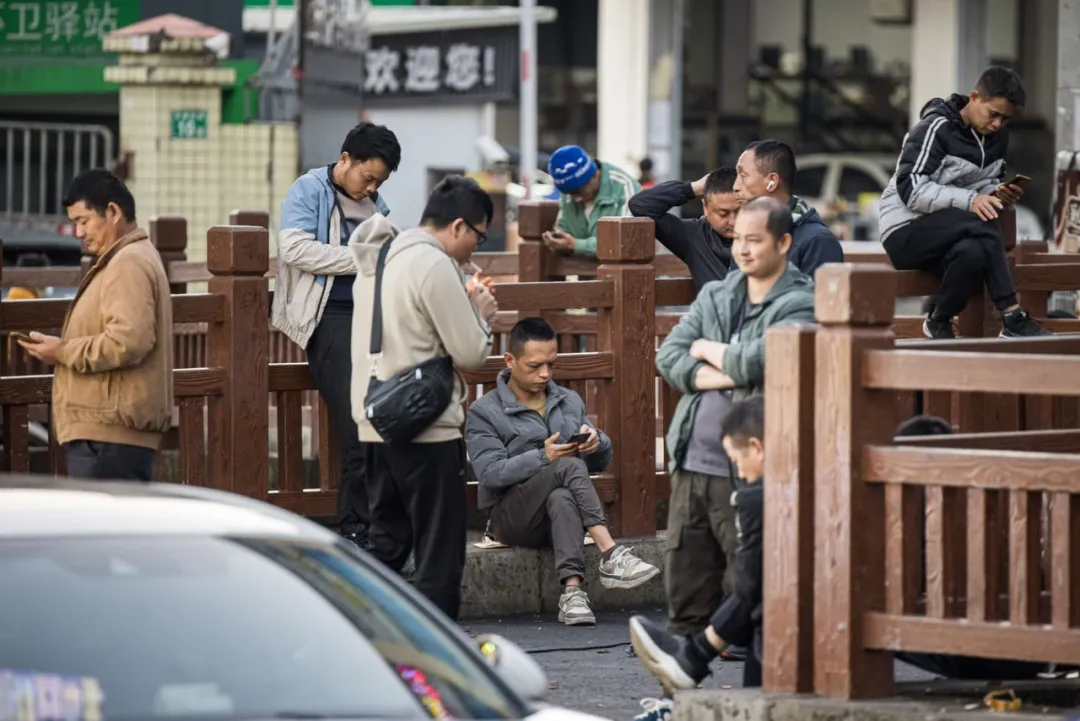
607, 682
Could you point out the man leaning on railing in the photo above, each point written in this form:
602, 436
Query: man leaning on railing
112, 391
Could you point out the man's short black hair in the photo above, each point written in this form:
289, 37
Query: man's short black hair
721, 180
773, 156
368, 140
1001, 82
646, 165
457, 197
924, 425
98, 188
777, 215
745, 420
528, 329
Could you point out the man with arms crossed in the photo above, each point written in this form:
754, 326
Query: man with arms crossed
714, 356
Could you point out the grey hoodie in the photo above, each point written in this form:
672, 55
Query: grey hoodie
426, 314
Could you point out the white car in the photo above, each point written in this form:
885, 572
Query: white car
131, 601
824, 179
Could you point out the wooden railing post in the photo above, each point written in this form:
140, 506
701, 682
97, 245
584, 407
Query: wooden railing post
237, 258
789, 510
255, 218
168, 233
854, 305
535, 217
628, 405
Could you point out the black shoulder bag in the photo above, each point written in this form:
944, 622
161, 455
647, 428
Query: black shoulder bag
404, 405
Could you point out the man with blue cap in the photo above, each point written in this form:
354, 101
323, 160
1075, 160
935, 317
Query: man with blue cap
588, 191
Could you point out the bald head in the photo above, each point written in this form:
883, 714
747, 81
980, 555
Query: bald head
778, 221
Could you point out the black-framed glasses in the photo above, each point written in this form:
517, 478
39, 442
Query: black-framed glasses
481, 237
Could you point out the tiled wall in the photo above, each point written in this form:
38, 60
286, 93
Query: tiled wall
248, 167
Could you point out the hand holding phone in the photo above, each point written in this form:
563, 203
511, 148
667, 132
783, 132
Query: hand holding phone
579, 438
24, 337
1018, 180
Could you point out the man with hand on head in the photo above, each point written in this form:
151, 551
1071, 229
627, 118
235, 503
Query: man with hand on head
704, 243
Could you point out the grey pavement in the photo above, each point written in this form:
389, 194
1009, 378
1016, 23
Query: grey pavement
606, 682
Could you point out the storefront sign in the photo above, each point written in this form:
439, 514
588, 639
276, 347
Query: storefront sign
189, 124
472, 64
52, 28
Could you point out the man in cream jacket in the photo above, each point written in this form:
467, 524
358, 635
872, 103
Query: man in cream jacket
417, 490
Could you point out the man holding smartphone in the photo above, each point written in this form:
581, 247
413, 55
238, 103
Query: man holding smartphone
532, 450
588, 191
939, 212
112, 391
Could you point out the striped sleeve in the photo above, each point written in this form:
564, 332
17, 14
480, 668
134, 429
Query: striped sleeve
920, 159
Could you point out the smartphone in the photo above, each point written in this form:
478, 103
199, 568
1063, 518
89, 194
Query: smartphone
1018, 180
578, 438
19, 336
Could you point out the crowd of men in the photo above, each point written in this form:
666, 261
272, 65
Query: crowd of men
368, 300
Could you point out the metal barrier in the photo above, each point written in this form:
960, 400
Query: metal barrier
40, 159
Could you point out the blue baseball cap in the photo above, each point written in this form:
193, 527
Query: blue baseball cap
571, 168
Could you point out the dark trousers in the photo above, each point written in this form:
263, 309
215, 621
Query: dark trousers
554, 508
701, 549
960, 248
329, 355
418, 504
109, 461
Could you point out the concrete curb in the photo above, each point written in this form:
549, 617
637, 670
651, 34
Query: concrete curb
936, 705
514, 581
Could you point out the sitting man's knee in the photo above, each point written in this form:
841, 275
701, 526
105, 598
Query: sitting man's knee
560, 499
970, 252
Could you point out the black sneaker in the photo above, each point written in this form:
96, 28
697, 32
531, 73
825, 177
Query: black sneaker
734, 653
359, 538
1018, 324
672, 659
938, 329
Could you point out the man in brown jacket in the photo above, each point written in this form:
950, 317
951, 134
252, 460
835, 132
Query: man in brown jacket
113, 385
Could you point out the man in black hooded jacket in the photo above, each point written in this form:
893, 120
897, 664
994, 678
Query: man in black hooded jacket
939, 212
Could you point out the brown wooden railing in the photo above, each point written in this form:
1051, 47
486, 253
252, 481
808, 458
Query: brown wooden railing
849, 507
223, 425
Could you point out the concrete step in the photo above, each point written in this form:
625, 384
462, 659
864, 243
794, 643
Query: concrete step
514, 581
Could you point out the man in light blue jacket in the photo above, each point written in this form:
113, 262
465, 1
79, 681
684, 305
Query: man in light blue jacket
313, 297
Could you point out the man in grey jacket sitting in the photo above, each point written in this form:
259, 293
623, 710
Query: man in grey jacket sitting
534, 471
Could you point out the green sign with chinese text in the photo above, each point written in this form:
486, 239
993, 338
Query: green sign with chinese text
58, 28
189, 124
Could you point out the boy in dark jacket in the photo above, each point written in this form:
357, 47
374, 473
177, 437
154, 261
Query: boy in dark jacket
704, 243
681, 662
939, 212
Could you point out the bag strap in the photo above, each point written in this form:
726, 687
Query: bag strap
375, 348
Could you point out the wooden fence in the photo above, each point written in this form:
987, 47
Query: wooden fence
222, 405
852, 513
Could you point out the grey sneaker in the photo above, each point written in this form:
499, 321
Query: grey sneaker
574, 608
625, 570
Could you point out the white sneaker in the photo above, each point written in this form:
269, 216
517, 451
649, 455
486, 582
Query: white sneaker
574, 608
625, 570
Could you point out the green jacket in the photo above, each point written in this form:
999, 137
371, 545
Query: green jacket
711, 317
616, 189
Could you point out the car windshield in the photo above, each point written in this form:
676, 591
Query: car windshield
240, 628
